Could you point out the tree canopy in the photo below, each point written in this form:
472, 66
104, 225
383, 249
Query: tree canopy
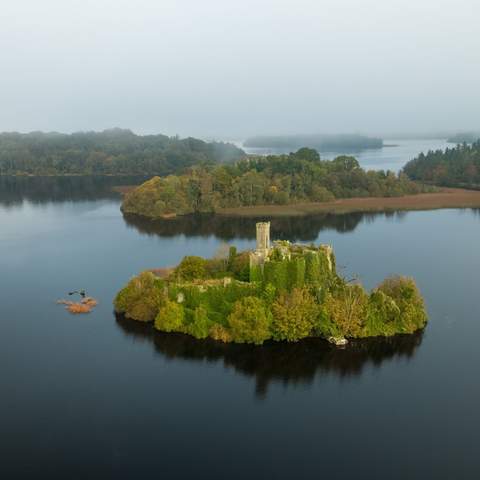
111, 152
458, 166
262, 180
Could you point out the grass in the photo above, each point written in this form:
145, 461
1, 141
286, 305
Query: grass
444, 198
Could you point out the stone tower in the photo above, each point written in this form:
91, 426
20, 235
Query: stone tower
260, 255
263, 238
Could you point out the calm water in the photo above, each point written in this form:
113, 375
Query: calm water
393, 156
95, 396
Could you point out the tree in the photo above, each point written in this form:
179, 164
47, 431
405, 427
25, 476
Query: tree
250, 321
201, 324
191, 268
308, 154
141, 298
170, 317
294, 315
347, 309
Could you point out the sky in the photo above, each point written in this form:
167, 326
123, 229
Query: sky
230, 69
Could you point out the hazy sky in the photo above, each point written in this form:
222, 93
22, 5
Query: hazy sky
233, 68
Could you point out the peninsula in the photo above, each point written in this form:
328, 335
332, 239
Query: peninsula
283, 292
271, 181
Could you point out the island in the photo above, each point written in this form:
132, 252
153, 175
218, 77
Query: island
114, 151
280, 291
321, 142
259, 181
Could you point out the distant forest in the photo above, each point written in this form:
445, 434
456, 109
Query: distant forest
263, 180
111, 152
319, 142
465, 137
458, 166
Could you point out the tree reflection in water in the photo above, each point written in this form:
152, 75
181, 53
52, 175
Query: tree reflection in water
277, 362
299, 228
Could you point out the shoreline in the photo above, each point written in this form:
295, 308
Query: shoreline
444, 198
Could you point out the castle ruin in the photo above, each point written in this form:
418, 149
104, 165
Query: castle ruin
262, 250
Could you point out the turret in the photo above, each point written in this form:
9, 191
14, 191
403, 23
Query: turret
263, 238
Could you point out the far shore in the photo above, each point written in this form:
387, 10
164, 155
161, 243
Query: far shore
444, 198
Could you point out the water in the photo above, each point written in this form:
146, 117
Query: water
393, 156
96, 396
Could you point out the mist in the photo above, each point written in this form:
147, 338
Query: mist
222, 69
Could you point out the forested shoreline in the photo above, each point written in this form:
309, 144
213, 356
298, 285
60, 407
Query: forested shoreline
458, 166
319, 142
285, 293
264, 180
111, 152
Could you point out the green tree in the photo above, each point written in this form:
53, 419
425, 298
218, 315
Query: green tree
294, 315
308, 154
191, 268
141, 298
201, 324
170, 317
250, 321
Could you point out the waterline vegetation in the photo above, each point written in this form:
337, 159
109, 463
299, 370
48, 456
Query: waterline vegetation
284, 293
274, 180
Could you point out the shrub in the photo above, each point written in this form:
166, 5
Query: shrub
220, 333
406, 295
141, 298
346, 310
294, 315
201, 324
240, 266
192, 267
170, 317
250, 321
383, 315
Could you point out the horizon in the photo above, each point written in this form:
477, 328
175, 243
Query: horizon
211, 70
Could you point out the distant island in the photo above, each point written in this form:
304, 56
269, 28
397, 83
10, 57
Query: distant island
464, 137
457, 167
111, 152
322, 143
283, 292
273, 180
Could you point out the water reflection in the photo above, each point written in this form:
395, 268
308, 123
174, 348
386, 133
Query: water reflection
286, 363
305, 228
38, 190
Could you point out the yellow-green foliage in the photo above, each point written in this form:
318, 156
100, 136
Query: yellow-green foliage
191, 268
405, 294
200, 327
294, 315
250, 321
345, 311
276, 273
220, 333
296, 272
141, 298
170, 317
158, 197
299, 295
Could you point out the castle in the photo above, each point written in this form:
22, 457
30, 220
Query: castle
260, 255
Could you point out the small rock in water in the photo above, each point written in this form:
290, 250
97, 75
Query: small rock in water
338, 341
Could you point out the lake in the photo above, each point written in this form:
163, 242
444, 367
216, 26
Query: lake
392, 156
99, 396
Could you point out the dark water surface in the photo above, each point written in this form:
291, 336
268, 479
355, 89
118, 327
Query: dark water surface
95, 396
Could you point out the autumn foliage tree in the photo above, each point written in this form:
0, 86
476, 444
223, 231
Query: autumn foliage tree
294, 315
250, 321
